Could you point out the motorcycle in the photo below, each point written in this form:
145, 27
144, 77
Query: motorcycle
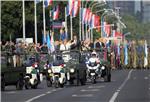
58, 76
33, 76
48, 74
93, 69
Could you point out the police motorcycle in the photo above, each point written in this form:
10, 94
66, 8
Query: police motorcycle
48, 74
58, 72
33, 76
93, 65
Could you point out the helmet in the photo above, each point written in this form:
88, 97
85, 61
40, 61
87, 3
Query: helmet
94, 53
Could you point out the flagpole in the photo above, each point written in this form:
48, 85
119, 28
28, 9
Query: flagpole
44, 23
80, 22
66, 22
35, 22
24, 37
71, 27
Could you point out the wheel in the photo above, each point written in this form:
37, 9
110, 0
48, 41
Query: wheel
61, 85
27, 84
56, 84
2, 84
93, 80
19, 85
49, 83
35, 84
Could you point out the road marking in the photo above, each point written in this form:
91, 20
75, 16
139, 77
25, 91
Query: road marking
83, 90
145, 78
84, 95
41, 95
34, 98
48, 92
119, 89
95, 87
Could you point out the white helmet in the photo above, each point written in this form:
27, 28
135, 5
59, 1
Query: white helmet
94, 53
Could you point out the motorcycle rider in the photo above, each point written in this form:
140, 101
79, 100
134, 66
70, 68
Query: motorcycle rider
93, 59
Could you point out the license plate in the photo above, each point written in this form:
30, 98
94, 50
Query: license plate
92, 73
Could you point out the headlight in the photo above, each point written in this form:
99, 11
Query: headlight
49, 71
102, 67
72, 70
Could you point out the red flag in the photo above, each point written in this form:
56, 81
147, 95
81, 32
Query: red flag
56, 13
75, 9
107, 29
97, 22
70, 3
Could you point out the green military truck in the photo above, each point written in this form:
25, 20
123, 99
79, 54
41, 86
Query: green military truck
11, 75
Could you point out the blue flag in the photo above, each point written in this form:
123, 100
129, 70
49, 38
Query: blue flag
126, 54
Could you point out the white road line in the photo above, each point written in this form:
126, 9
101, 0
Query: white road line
119, 89
92, 90
34, 98
48, 92
83, 95
145, 78
95, 87
41, 95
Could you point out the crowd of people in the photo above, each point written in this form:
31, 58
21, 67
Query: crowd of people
126, 54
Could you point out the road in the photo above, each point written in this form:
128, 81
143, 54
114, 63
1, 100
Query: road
126, 86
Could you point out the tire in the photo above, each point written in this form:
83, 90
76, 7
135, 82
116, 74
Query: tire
35, 85
93, 79
27, 84
56, 84
61, 85
49, 83
19, 85
2, 84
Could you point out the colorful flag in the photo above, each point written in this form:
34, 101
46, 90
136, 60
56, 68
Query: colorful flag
86, 15
70, 3
146, 54
56, 12
107, 29
75, 8
48, 2
67, 10
48, 41
126, 54
90, 18
83, 15
52, 42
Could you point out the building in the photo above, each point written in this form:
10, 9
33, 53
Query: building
145, 9
124, 7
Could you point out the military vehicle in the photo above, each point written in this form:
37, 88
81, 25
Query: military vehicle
75, 67
11, 75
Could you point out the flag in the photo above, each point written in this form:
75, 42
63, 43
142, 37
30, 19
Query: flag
107, 29
83, 15
67, 11
89, 18
56, 12
86, 16
146, 54
97, 22
126, 54
48, 41
70, 3
75, 9
48, 2
92, 21
52, 43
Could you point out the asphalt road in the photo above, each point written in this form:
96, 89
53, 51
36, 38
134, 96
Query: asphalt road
126, 86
